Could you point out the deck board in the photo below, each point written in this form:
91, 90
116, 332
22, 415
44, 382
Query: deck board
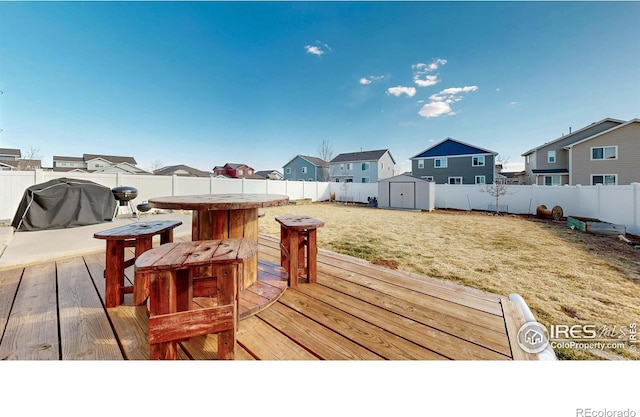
31, 332
355, 311
85, 332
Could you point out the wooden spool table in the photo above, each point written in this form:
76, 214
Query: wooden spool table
225, 216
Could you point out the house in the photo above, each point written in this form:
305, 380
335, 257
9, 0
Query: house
181, 170
451, 161
10, 160
229, 170
363, 167
306, 168
270, 175
604, 152
97, 164
7, 154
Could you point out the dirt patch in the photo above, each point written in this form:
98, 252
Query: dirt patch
386, 263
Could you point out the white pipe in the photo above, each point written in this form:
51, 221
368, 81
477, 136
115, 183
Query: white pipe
547, 354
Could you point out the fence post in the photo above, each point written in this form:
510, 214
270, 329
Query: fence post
636, 207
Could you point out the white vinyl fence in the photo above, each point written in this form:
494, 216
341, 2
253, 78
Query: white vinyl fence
615, 204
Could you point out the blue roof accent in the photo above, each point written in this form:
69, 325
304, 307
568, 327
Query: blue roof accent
452, 147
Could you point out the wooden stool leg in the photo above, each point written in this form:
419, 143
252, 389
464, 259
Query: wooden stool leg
114, 273
166, 237
312, 256
141, 281
284, 250
292, 262
228, 294
302, 241
163, 300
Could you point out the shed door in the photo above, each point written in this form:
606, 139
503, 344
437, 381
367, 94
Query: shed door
402, 194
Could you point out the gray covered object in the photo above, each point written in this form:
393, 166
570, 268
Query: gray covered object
62, 203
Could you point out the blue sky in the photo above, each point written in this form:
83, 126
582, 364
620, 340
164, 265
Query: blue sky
205, 83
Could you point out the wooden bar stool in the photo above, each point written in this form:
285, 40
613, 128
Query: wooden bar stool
297, 233
137, 235
172, 271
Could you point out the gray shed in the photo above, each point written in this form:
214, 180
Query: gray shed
407, 192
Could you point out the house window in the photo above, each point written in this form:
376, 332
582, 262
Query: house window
348, 180
440, 163
427, 177
420, 163
381, 165
552, 180
341, 167
604, 152
239, 172
349, 166
455, 180
609, 179
551, 157
481, 179
287, 171
304, 170
365, 166
477, 161
365, 180
527, 159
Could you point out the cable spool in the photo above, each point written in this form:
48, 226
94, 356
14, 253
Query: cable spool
555, 213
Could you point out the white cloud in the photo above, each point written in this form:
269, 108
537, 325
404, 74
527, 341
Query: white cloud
441, 102
318, 49
435, 109
422, 76
369, 80
398, 91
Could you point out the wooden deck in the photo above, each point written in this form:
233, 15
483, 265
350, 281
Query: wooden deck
356, 311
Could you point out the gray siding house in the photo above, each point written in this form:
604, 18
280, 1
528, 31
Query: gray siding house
362, 167
453, 162
611, 157
548, 164
306, 168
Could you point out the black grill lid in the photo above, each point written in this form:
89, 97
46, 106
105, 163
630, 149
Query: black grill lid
124, 193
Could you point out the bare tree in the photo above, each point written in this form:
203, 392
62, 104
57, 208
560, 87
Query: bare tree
325, 152
156, 164
32, 153
499, 187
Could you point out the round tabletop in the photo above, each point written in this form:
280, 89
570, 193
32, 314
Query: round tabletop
218, 201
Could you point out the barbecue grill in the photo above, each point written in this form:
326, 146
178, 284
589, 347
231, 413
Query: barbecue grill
124, 195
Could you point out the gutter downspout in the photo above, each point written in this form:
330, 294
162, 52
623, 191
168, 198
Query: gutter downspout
547, 354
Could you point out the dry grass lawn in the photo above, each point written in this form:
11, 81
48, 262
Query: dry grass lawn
565, 276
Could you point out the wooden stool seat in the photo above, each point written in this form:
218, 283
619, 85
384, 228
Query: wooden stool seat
174, 274
297, 233
138, 235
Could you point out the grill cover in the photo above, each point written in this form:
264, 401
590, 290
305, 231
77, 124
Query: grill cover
62, 203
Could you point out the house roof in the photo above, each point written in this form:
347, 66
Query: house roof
452, 147
68, 158
311, 159
24, 164
361, 156
111, 158
551, 171
576, 134
266, 173
601, 133
172, 169
9, 151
